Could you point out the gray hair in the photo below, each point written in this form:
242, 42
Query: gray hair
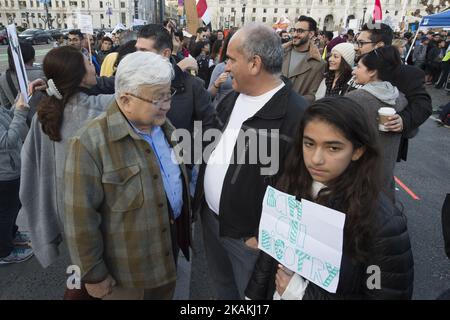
142, 68
262, 41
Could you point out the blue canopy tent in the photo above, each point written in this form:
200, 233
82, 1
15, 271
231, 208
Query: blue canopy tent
437, 20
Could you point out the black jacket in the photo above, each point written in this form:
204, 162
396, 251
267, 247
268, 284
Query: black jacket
244, 184
410, 81
391, 251
191, 101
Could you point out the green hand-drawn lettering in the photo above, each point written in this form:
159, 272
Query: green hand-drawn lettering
332, 273
266, 241
302, 256
279, 249
292, 206
293, 232
317, 268
302, 236
271, 201
299, 210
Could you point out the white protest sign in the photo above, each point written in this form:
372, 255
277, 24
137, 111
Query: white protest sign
85, 24
353, 24
118, 27
305, 237
392, 22
139, 22
18, 60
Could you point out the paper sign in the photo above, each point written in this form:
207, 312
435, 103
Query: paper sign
118, 27
303, 236
353, 24
18, 60
85, 24
139, 22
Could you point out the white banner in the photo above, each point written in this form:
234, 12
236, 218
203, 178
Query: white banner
18, 60
305, 237
85, 24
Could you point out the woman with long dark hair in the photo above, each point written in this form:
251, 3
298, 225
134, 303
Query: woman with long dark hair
215, 51
339, 71
335, 161
64, 109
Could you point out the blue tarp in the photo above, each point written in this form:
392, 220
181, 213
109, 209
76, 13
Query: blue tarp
437, 20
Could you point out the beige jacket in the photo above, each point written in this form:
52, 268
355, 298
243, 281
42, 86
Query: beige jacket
307, 75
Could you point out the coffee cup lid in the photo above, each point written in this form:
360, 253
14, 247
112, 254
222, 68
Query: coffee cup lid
386, 111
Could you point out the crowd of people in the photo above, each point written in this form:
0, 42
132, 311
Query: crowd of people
93, 158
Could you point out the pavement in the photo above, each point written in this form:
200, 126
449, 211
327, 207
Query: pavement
427, 174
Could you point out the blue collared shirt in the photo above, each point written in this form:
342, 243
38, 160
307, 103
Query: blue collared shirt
170, 171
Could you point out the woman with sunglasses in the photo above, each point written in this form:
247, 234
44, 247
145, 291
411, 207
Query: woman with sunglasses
335, 162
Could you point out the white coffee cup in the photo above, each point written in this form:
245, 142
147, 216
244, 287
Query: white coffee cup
383, 115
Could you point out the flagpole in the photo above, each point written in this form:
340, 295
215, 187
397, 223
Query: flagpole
412, 43
404, 13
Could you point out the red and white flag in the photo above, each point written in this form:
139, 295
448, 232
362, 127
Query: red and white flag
377, 13
202, 11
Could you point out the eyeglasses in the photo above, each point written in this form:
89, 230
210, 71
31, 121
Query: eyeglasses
157, 102
362, 43
300, 30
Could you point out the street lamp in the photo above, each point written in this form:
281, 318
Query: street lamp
364, 15
47, 15
136, 9
28, 19
109, 13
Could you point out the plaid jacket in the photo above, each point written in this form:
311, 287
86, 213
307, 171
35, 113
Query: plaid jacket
117, 218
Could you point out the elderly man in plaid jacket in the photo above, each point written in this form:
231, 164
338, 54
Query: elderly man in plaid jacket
127, 207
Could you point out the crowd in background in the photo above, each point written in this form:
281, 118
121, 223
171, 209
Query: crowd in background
92, 146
